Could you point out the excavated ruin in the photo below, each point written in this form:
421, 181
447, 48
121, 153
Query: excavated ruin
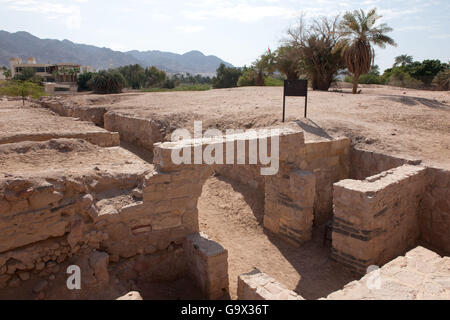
70, 195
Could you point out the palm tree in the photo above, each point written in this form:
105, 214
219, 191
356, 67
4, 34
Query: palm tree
358, 32
403, 60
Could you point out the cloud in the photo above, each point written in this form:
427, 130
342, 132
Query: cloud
243, 12
190, 29
70, 13
441, 36
414, 28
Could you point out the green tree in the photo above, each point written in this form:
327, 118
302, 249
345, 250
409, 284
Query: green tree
6, 72
264, 65
134, 76
26, 74
316, 43
358, 32
83, 80
442, 80
154, 77
110, 81
426, 70
226, 77
248, 77
288, 61
403, 60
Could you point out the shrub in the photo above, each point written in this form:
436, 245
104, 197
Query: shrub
442, 80
273, 82
368, 78
83, 80
226, 77
169, 84
105, 82
399, 78
248, 78
17, 88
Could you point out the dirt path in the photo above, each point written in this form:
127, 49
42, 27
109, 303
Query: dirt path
231, 214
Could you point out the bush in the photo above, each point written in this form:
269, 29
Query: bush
105, 82
193, 87
248, 78
226, 77
368, 78
169, 84
399, 78
442, 80
17, 88
273, 82
83, 80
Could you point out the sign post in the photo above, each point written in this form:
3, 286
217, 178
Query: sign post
295, 88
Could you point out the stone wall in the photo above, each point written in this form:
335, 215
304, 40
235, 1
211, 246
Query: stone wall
435, 210
419, 275
208, 265
377, 219
138, 131
330, 162
86, 113
256, 285
289, 205
46, 219
367, 163
289, 194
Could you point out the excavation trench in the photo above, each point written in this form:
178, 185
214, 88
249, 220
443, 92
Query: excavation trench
133, 220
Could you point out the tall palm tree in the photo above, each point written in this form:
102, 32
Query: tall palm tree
358, 32
403, 60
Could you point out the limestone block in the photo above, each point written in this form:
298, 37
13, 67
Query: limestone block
208, 265
256, 285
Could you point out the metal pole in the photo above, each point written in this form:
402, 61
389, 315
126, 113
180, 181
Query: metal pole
284, 103
306, 101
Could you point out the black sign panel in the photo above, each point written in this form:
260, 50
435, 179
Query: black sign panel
295, 88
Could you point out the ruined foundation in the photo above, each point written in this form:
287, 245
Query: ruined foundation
78, 198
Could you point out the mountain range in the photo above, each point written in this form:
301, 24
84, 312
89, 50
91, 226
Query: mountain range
23, 44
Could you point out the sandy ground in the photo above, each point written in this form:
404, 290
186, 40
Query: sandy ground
398, 121
29, 120
66, 156
231, 214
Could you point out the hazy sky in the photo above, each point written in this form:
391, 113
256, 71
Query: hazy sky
237, 31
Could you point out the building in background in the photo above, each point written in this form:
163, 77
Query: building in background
58, 78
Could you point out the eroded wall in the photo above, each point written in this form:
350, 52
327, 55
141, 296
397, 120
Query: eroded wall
377, 219
435, 210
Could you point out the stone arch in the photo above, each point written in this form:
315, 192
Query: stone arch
172, 190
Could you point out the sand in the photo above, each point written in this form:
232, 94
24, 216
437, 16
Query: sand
397, 121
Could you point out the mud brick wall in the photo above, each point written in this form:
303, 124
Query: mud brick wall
289, 202
420, 274
256, 285
289, 194
366, 163
330, 162
207, 265
377, 219
140, 132
435, 210
249, 175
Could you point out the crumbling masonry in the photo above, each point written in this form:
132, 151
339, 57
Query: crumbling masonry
124, 208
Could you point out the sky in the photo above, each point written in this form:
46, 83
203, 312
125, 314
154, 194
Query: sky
237, 31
